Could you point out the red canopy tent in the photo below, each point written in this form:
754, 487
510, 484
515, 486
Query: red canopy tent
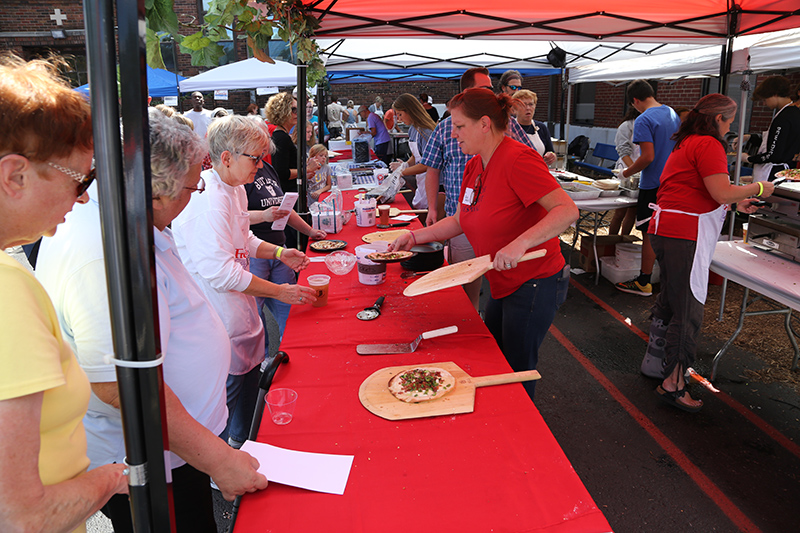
705, 21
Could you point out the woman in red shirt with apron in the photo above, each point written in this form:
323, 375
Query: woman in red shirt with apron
692, 201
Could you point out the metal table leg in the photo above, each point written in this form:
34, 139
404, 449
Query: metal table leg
743, 313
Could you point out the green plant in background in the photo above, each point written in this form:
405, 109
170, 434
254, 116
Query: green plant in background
254, 20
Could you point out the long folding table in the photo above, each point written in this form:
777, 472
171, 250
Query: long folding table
498, 468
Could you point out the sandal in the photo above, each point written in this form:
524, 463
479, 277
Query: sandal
673, 397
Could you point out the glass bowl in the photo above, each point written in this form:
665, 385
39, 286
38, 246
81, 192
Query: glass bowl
341, 262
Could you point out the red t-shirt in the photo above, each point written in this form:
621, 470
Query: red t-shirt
514, 180
682, 186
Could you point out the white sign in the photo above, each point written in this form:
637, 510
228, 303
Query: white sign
221, 94
171, 100
266, 90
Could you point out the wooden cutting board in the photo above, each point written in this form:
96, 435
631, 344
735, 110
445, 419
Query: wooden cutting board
459, 274
383, 235
375, 396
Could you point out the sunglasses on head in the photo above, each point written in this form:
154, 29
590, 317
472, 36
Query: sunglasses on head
84, 180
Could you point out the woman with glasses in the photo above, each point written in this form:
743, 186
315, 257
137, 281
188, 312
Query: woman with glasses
509, 204
510, 82
215, 243
537, 131
45, 168
72, 269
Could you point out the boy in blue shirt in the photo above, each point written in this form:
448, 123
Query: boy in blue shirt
652, 131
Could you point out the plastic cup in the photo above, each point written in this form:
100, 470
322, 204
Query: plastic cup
383, 211
320, 284
281, 404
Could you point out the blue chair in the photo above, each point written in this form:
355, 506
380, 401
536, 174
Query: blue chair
604, 153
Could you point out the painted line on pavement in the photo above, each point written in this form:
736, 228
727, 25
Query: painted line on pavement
696, 474
773, 433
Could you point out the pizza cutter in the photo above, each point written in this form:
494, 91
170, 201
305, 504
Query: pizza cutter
372, 312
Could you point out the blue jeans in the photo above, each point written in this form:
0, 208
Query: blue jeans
276, 272
520, 321
242, 395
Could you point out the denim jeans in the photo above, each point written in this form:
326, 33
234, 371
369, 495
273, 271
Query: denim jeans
242, 395
276, 272
520, 321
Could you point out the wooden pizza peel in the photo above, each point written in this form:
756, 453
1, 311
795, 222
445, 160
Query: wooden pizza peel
383, 235
459, 274
394, 211
375, 396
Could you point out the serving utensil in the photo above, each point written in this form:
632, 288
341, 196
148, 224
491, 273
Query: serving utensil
379, 349
459, 274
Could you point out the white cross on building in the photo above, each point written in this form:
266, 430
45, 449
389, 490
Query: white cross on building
58, 17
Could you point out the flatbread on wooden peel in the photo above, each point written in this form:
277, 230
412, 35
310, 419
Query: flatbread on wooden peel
421, 384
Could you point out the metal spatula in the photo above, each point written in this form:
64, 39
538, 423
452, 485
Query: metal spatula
377, 349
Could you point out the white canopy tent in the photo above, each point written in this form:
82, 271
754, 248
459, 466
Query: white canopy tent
448, 54
770, 51
246, 74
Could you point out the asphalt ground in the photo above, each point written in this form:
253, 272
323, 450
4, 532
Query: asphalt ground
734, 466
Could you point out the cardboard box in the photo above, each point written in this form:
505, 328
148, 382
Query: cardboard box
605, 246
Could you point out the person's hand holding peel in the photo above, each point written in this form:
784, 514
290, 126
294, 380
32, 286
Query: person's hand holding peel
506, 258
403, 242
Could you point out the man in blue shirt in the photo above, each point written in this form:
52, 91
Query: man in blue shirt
446, 162
379, 133
652, 131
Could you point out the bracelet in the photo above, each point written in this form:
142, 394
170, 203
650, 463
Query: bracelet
760, 188
414, 237
278, 252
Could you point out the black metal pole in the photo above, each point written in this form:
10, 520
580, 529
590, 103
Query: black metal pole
302, 120
127, 239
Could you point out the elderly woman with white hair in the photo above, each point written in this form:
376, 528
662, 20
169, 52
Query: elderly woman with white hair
215, 243
71, 267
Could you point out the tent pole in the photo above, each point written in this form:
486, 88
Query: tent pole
745, 87
300, 128
127, 225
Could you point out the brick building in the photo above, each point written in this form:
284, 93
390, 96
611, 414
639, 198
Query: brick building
34, 28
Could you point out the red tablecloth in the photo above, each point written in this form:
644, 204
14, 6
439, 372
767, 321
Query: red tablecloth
496, 469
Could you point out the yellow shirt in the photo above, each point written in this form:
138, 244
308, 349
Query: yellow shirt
34, 358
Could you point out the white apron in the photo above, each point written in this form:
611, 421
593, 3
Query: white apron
420, 200
708, 228
536, 141
761, 171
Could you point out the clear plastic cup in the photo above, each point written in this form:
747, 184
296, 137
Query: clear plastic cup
320, 283
281, 404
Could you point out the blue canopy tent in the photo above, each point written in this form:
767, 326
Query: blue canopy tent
159, 83
410, 74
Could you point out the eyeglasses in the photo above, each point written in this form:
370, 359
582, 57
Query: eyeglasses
84, 180
294, 110
254, 158
515, 87
529, 104
201, 186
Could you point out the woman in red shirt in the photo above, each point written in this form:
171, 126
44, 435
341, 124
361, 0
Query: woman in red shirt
509, 205
692, 201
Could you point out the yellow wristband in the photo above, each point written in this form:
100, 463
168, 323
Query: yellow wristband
760, 188
278, 252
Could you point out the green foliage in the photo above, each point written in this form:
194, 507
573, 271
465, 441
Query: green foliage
289, 17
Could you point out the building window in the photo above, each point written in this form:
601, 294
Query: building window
75, 70
584, 103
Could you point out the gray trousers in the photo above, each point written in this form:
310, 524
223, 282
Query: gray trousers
675, 304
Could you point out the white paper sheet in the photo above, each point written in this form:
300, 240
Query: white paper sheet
404, 218
319, 472
287, 204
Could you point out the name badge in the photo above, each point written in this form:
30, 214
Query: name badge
468, 196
